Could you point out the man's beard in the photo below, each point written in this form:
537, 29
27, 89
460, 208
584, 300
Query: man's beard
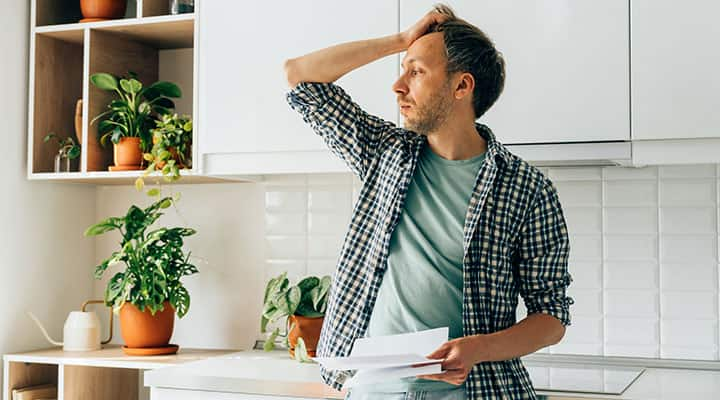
431, 116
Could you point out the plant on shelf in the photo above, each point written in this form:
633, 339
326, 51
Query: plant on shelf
148, 289
130, 117
303, 305
68, 151
171, 150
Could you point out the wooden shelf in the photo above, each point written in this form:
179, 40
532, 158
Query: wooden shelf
149, 42
104, 374
122, 177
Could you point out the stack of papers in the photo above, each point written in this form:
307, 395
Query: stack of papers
383, 358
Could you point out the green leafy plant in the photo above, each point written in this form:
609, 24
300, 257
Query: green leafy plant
154, 261
132, 113
308, 299
172, 139
68, 147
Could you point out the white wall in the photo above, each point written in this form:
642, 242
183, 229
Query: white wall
45, 262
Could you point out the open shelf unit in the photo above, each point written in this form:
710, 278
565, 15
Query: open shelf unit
64, 54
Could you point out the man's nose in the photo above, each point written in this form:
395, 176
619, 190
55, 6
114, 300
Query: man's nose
399, 87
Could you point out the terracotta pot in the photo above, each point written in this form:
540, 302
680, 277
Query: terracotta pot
99, 10
308, 329
142, 329
127, 154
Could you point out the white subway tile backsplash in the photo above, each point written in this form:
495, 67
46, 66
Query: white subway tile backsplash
284, 223
688, 275
285, 247
688, 220
584, 247
687, 171
630, 193
621, 173
698, 333
689, 353
688, 248
588, 303
586, 275
685, 193
320, 223
630, 247
575, 174
641, 275
579, 193
644, 252
631, 303
689, 305
625, 220
631, 331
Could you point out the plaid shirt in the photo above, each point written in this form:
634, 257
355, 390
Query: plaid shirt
515, 238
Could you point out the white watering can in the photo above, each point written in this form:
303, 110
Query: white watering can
81, 331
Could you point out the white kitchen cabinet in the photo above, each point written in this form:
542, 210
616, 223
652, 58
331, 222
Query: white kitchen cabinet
675, 69
567, 73
244, 117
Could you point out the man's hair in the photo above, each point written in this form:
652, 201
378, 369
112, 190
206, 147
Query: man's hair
468, 49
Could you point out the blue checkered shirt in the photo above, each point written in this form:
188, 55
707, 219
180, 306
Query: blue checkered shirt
515, 237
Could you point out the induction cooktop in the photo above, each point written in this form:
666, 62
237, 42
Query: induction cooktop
579, 378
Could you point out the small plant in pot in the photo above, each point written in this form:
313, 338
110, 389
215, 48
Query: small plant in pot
68, 152
129, 118
171, 150
147, 292
303, 305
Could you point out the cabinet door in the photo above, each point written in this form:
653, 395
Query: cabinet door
675, 69
242, 47
566, 66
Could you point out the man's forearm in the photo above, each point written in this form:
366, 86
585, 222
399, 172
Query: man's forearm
329, 64
527, 336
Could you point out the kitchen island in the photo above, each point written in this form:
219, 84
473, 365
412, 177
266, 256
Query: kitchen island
255, 374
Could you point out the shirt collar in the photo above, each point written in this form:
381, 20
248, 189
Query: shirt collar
495, 150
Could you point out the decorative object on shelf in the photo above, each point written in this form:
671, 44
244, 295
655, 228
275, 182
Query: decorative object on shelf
78, 120
304, 306
132, 115
101, 10
148, 291
67, 153
182, 6
81, 331
171, 151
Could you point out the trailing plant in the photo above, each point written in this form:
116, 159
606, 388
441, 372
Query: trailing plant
172, 138
154, 261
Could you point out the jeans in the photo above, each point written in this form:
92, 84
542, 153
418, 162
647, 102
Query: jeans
452, 394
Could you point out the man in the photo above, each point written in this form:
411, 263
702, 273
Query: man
449, 228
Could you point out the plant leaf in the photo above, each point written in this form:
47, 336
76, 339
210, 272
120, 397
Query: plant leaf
167, 89
301, 351
104, 81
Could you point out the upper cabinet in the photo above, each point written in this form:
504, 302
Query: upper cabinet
566, 66
675, 69
242, 82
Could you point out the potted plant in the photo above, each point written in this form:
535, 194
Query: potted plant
129, 118
67, 152
171, 150
101, 10
148, 291
304, 307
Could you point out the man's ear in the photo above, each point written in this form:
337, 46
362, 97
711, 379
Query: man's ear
465, 85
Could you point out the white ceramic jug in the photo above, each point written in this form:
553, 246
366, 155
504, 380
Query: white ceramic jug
81, 331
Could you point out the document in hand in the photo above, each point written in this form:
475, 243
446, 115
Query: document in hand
382, 358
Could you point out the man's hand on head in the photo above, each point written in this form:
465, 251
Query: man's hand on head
422, 27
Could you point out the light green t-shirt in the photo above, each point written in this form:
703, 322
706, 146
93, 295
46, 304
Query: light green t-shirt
423, 285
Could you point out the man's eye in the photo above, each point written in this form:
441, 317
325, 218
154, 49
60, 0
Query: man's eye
414, 72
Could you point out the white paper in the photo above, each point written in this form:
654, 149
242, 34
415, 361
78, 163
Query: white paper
383, 358
378, 375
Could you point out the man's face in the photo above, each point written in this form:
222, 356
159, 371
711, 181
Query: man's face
423, 90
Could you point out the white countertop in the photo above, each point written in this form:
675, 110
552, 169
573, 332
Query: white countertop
274, 373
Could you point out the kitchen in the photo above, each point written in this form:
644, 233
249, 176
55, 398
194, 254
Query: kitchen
639, 189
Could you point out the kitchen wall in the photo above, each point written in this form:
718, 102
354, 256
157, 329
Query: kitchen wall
644, 254
44, 257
